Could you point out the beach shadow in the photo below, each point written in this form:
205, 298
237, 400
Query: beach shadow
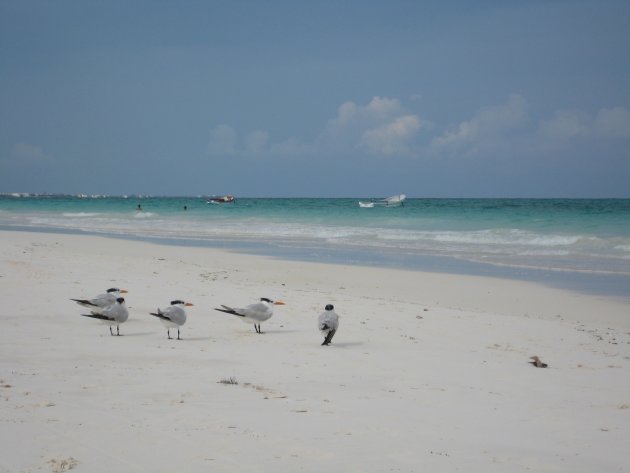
279, 331
137, 334
346, 344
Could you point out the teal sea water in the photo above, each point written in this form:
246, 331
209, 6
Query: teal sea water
575, 243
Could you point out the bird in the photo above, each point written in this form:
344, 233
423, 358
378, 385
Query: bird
174, 316
328, 323
113, 314
102, 300
253, 313
537, 362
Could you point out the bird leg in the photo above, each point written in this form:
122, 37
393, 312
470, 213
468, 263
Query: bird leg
257, 328
329, 337
178, 335
110, 331
168, 333
118, 330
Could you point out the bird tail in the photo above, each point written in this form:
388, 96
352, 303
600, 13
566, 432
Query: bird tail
97, 316
227, 310
159, 315
84, 302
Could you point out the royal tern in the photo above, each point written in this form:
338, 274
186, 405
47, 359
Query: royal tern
113, 314
174, 316
102, 300
328, 323
253, 313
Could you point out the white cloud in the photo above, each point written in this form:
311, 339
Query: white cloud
565, 125
222, 140
256, 142
28, 153
568, 125
489, 128
392, 138
382, 126
378, 111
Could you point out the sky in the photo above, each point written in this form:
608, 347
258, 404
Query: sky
491, 98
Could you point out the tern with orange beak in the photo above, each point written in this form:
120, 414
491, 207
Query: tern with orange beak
102, 300
254, 313
174, 316
113, 314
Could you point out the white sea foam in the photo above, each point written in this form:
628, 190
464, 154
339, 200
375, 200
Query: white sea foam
79, 214
144, 214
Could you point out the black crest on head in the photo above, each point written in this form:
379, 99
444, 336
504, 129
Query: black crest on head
113, 289
177, 302
265, 299
329, 307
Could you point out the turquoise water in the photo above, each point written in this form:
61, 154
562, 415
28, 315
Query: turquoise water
567, 238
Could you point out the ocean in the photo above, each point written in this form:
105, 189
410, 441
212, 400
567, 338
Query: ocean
581, 244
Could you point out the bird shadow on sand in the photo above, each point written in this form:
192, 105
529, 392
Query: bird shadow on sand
346, 344
280, 331
137, 334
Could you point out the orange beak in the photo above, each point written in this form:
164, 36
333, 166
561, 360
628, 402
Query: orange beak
279, 303
123, 291
188, 304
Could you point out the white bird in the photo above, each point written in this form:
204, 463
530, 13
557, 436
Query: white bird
174, 316
102, 300
328, 323
113, 314
253, 313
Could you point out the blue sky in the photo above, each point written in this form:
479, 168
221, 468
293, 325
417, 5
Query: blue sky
328, 98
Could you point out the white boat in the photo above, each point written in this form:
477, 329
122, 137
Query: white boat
393, 201
224, 199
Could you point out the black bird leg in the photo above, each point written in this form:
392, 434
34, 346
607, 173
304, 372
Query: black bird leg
110, 331
118, 330
329, 337
168, 333
178, 335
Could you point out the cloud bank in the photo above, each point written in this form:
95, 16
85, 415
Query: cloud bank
384, 128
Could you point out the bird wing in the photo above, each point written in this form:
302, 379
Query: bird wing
258, 311
328, 320
117, 312
175, 314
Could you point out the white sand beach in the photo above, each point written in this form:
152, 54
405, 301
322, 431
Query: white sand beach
427, 372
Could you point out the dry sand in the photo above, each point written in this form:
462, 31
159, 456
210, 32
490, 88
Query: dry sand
427, 373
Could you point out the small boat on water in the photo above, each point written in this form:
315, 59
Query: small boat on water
224, 199
393, 201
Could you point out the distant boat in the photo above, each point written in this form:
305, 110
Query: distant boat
393, 201
224, 199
